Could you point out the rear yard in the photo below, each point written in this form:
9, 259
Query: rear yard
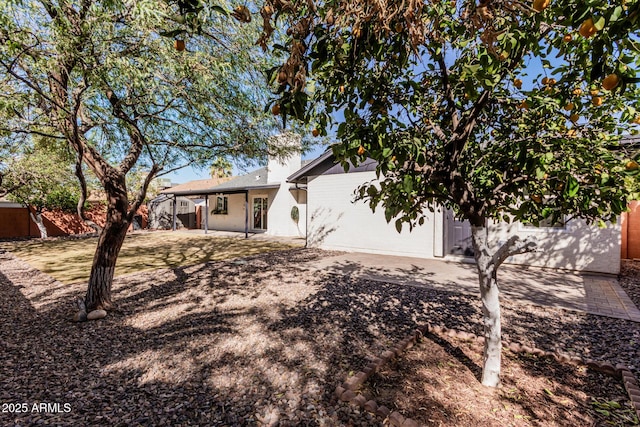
264, 340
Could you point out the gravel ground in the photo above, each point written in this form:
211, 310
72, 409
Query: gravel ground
257, 341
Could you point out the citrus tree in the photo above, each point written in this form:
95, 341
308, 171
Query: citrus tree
500, 110
130, 86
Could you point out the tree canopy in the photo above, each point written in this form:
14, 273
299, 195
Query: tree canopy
499, 110
109, 80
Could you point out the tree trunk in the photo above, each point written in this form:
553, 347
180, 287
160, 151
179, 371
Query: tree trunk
489, 294
109, 245
36, 217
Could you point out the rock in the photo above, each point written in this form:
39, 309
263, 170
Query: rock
97, 314
80, 316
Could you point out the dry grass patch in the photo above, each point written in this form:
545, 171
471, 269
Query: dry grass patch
69, 260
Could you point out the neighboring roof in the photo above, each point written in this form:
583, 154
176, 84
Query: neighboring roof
200, 184
239, 184
327, 164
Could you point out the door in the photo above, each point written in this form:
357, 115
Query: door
260, 206
458, 236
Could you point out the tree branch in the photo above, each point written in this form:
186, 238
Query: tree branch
514, 246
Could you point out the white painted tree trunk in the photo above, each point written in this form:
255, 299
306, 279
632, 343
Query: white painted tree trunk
37, 220
487, 261
489, 294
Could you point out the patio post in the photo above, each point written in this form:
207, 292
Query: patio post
206, 213
246, 214
175, 212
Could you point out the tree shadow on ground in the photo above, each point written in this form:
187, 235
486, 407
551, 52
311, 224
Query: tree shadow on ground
221, 343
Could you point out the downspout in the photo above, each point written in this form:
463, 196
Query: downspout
306, 217
246, 214
206, 213
175, 212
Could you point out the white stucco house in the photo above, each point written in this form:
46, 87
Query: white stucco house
335, 221
322, 195
261, 201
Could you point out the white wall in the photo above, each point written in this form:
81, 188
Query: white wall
279, 169
234, 219
335, 222
279, 217
576, 247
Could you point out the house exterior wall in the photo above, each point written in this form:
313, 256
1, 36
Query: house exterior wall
335, 222
233, 220
281, 203
577, 246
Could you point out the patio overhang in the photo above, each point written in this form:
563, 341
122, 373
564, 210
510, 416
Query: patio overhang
215, 191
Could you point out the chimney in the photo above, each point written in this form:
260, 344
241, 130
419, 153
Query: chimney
286, 158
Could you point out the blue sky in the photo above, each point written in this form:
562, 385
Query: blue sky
190, 174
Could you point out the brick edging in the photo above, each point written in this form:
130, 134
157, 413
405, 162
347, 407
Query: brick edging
347, 391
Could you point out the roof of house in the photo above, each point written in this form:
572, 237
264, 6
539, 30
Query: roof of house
238, 184
197, 185
326, 164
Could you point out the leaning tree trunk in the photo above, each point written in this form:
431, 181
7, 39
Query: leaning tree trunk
109, 245
489, 294
36, 217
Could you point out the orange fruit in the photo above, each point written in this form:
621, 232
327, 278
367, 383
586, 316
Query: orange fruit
179, 45
577, 91
315, 132
524, 105
636, 120
631, 165
540, 5
341, 88
610, 82
517, 83
572, 133
587, 29
360, 150
545, 80
594, 92
567, 38
275, 109
597, 101
574, 117
569, 106
552, 82
536, 198
268, 9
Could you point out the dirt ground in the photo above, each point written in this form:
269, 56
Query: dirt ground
260, 341
436, 384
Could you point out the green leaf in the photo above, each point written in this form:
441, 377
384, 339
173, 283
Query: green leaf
599, 23
572, 187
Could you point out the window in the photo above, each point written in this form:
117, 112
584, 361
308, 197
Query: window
221, 206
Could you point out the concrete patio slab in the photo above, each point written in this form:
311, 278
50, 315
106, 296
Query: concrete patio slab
595, 294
